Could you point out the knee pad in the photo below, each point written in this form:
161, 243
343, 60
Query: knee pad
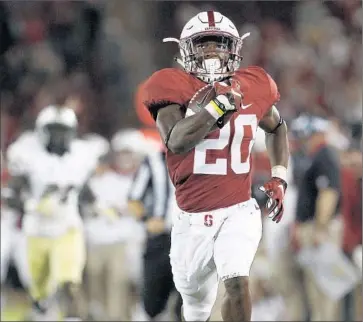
196, 315
199, 312
42, 306
198, 305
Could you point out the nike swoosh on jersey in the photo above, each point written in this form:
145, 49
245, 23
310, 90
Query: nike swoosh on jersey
245, 106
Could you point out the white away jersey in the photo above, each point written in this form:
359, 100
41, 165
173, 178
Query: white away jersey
65, 174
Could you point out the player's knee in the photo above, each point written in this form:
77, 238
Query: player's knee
44, 304
196, 314
39, 306
197, 311
71, 289
237, 287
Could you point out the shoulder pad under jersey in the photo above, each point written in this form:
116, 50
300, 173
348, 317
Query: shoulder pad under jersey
260, 85
164, 88
84, 152
20, 153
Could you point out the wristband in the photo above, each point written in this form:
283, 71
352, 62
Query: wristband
213, 109
279, 171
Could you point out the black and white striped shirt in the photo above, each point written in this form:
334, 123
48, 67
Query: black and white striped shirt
152, 186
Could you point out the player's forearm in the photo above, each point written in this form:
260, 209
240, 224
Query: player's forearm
277, 145
326, 205
190, 131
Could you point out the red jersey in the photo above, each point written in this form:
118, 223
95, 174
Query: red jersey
216, 173
351, 210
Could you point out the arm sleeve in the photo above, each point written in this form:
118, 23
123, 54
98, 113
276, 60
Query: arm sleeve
17, 165
140, 182
160, 185
161, 90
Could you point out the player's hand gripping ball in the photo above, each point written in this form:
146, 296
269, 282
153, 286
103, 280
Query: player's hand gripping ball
209, 92
200, 99
230, 88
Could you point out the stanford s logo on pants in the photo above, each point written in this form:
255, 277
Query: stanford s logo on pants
208, 220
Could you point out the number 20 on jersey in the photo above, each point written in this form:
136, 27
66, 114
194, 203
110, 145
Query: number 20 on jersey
238, 166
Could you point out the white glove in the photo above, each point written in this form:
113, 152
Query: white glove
227, 102
229, 94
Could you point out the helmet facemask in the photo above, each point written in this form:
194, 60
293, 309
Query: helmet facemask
211, 57
57, 138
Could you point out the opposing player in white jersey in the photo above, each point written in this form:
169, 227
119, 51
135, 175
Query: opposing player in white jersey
49, 167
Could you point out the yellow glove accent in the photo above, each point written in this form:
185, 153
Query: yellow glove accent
216, 107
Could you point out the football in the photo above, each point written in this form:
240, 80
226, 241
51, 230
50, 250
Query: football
200, 99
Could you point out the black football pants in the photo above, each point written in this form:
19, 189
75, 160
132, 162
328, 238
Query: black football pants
158, 278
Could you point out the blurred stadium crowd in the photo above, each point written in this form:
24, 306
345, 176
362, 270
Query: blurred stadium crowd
91, 56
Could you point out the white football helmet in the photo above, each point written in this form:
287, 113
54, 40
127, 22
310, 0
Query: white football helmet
210, 46
56, 128
135, 140
99, 144
129, 149
129, 139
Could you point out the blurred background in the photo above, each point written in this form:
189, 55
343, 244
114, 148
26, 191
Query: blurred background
91, 56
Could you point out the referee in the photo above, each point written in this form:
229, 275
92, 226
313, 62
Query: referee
317, 206
151, 199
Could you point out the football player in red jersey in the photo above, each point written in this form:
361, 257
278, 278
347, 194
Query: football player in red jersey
218, 228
